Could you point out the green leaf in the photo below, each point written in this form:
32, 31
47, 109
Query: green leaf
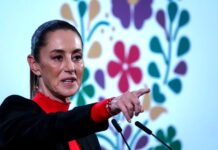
85, 75
176, 145
160, 134
157, 95
82, 8
89, 90
184, 46
172, 10
153, 70
155, 45
184, 18
171, 133
175, 85
80, 100
160, 147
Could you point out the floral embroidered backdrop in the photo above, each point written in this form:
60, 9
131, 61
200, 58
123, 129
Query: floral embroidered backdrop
127, 61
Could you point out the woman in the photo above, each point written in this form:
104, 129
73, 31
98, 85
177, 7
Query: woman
56, 63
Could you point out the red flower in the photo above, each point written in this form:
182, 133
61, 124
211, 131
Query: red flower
125, 66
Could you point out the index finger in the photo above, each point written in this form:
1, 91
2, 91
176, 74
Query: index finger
142, 91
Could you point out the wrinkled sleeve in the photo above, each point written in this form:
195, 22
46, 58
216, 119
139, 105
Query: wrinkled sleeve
99, 112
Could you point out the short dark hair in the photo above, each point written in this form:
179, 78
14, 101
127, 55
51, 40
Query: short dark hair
39, 40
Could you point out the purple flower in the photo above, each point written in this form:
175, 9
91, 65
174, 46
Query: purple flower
132, 10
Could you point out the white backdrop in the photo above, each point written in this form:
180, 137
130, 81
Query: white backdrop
194, 111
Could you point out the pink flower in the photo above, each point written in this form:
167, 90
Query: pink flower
125, 66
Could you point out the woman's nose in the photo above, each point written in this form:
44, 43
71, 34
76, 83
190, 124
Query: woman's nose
69, 66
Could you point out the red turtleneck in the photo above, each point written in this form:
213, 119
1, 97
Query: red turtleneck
99, 112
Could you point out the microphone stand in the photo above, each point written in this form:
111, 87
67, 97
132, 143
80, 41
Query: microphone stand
148, 131
119, 130
161, 141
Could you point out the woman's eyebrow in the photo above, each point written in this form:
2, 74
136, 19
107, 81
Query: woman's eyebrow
77, 50
61, 51
57, 51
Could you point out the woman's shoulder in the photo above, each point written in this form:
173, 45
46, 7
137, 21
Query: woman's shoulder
16, 101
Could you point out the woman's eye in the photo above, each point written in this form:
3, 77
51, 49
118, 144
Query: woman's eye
77, 58
58, 58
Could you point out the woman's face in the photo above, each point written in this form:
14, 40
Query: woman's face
61, 64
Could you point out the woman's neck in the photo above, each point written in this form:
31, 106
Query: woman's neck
55, 97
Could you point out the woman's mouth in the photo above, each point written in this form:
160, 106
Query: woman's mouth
68, 82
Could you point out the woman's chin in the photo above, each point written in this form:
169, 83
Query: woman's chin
68, 93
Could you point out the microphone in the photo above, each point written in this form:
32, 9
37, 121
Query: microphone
148, 131
118, 128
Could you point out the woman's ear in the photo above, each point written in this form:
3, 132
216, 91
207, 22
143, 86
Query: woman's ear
34, 65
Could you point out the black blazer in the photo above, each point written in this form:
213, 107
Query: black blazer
25, 126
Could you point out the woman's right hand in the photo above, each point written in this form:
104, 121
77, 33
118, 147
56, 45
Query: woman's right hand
128, 103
